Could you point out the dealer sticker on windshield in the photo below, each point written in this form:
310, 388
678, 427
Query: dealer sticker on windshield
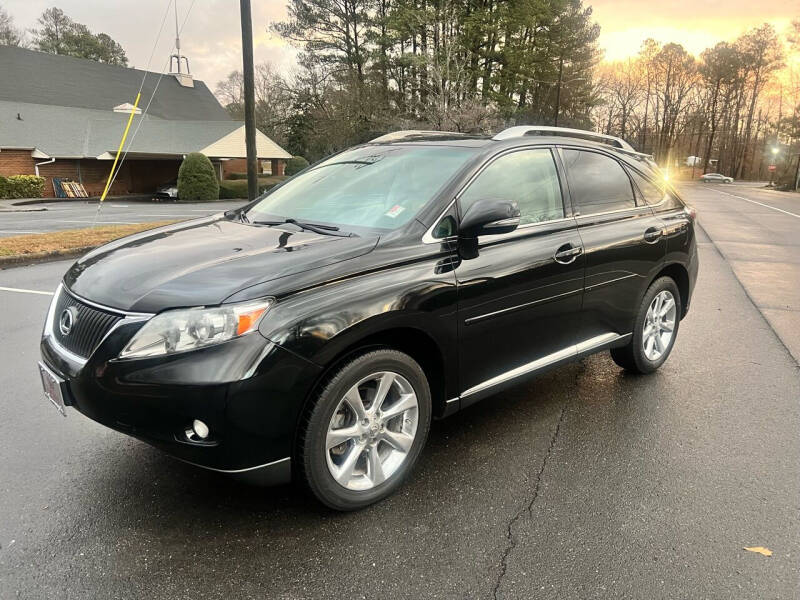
394, 211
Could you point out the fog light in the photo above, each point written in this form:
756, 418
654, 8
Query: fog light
200, 429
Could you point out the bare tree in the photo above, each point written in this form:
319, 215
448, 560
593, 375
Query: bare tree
10, 35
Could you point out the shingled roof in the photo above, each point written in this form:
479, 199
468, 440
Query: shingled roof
63, 107
67, 132
41, 78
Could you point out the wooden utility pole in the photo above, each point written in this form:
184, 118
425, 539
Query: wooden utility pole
558, 90
249, 99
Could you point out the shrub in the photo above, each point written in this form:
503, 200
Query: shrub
196, 179
233, 189
21, 186
295, 165
237, 176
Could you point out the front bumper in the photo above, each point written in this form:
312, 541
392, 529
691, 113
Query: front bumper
248, 391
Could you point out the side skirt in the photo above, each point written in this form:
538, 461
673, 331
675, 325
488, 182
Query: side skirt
536, 367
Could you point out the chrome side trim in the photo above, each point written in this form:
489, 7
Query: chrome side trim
544, 361
634, 210
519, 371
504, 222
456, 399
472, 320
609, 282
599, 340
269, 464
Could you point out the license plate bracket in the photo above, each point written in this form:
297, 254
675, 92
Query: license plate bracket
53, 387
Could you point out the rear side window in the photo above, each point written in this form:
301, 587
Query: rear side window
651, 193
528, 177
656, 195
597, 183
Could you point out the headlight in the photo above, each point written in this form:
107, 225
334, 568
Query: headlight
192, 328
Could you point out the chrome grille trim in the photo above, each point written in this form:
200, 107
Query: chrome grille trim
91, 324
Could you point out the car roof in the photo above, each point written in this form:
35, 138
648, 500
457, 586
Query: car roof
520, 136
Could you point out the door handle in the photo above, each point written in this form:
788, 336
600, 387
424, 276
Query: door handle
652, 235
567, 254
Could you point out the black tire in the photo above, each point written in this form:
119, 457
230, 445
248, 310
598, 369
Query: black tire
312, 452
632, 357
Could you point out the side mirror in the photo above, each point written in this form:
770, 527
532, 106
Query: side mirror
487, 217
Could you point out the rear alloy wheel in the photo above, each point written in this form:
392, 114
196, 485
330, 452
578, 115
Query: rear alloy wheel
659, 325
366, 430
655, 329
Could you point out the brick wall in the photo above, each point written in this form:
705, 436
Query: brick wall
239, 165
135, 176
91, 173
16, 162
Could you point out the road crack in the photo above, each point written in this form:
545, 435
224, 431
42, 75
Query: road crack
528, 508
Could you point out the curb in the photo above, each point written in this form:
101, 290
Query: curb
16, 210
88, 200
24, 260
96, 199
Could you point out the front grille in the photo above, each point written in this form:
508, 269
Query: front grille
89, 324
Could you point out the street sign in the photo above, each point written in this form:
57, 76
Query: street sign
772, 167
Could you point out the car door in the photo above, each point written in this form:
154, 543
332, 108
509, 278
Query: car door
678, 233
623, 240
519, 298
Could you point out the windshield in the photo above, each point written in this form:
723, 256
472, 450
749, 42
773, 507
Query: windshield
373, 186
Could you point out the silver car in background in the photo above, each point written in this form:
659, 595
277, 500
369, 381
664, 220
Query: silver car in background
715, 178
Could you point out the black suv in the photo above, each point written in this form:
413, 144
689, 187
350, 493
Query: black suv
317, 331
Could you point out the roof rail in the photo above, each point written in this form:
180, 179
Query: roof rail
521, 130
412, 133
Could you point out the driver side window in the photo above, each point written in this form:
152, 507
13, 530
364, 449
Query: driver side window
528, 177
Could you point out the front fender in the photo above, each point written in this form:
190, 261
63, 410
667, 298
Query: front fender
322, 323
319, 324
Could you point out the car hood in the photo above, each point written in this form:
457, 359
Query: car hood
201, 262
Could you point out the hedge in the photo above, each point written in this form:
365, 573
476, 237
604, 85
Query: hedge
295, 165
196, 179
232, 189
21, 186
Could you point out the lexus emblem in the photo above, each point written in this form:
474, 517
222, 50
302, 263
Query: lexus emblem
67, 320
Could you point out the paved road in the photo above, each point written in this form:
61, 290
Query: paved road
587, 483
76, 215
757, 230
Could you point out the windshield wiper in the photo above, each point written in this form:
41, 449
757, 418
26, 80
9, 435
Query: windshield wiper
315, 227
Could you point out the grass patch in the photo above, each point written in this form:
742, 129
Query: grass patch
57, 242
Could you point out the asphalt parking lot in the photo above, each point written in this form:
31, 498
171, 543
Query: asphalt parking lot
58, 216
585, 483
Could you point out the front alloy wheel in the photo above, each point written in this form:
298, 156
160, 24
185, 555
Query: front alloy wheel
372, 431
366, 429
